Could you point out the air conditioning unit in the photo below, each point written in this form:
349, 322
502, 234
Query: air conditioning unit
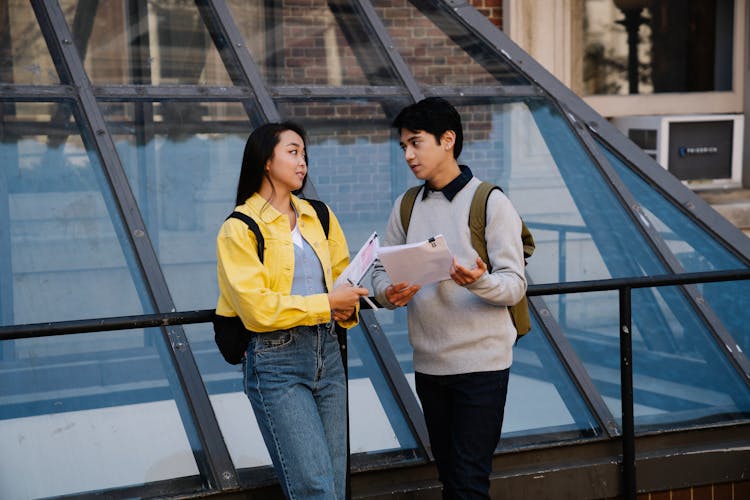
700, 150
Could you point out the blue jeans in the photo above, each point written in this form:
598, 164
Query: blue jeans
296, 385
464, 417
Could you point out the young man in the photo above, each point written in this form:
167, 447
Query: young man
460, 329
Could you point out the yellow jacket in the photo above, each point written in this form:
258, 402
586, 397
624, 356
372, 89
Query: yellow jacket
259, 293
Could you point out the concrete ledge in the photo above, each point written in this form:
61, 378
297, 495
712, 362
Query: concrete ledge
732, 204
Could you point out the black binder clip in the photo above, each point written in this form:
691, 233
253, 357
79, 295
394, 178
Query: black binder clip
432, 242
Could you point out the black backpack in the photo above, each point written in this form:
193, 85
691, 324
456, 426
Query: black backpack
230, 334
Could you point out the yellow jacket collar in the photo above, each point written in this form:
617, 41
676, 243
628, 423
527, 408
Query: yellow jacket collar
268, 213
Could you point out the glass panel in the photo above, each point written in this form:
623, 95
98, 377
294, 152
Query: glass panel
376, 421
312, 43
439, 50
183, 160
556, 412
350, 148
696, 251
582, 233
358, 168
65, 253
680, 377
105, 401
149, 43
676, 46
666, 327
24, 57
352, 160
90, 412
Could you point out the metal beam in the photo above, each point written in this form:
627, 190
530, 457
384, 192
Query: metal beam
575, 367
390, 50
213, 460
236, 56
383, 351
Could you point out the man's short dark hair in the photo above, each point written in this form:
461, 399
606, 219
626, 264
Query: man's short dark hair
435, 116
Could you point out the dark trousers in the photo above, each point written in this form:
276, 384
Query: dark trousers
464, 416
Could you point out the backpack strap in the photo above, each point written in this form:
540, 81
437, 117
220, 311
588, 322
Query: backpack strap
324, 216
407, 205
478, 220
252, 226
519, 313
321, 210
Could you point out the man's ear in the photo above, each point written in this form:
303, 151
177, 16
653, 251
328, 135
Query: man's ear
448, 140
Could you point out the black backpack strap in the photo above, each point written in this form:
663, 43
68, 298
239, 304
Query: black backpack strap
252, 226
321, 209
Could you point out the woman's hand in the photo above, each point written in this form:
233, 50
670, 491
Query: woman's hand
344, 299
399, 294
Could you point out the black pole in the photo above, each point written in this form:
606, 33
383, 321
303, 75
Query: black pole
626, 388
632, 23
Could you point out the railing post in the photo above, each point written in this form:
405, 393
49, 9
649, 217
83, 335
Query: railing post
626, 389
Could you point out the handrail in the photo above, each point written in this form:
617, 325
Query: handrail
49, 329
622, 285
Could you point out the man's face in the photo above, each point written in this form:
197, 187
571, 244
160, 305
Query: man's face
425, 156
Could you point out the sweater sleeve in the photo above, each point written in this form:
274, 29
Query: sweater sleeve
506, 284
394, 235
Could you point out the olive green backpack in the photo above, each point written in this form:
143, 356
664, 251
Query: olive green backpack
519, 313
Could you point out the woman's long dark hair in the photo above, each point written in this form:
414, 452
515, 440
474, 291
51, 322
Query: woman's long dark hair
258, 150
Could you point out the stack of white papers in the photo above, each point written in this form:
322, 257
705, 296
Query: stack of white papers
417, 263
361, 263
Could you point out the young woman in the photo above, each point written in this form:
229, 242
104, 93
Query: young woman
293, 373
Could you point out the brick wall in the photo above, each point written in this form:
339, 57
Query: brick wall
725, 491
492, 9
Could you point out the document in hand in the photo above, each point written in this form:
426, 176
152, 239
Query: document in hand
361, 262
417, 263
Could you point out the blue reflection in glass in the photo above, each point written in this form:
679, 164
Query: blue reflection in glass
671, 342
184, 179
583, 233
68, 253
543, 404
112, 396
377, 421
695, 250
542, 400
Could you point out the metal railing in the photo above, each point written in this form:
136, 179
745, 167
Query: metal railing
624, 286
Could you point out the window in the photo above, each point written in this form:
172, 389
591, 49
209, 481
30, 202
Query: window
657, 46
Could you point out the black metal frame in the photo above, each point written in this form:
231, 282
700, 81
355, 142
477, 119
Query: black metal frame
260, 101
192, 399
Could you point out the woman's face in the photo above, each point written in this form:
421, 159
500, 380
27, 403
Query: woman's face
287, 167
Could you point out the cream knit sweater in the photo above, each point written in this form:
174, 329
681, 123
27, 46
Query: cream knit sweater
455, 329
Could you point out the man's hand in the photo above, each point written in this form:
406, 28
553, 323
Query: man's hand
464, 276
399, 294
